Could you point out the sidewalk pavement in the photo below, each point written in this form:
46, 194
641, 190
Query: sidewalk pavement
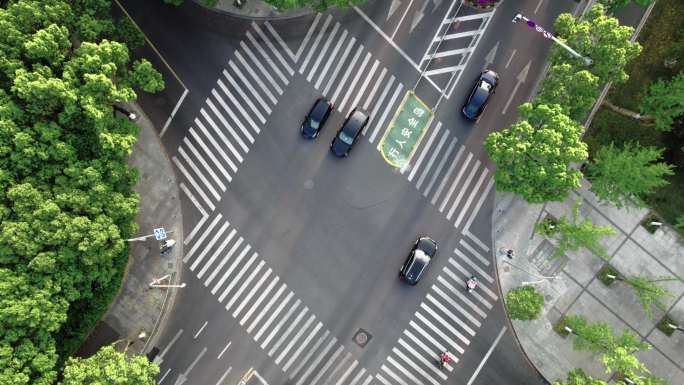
137, 307
255, 9
576, 290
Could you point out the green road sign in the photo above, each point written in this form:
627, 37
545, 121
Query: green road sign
405, 131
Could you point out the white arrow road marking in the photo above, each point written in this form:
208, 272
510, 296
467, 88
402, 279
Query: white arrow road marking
184, 376
418, 16
393, 8
522, 76
489, 59
160, 358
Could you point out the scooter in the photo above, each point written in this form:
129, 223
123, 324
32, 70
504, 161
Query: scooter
443, 359
471, 284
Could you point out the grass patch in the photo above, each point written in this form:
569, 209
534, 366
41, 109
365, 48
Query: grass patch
664, 327
559, 328
603, 274
658, 39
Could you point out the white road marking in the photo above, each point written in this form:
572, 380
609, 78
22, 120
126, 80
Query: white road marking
164, 376
475, 267
337, 368
268, 59
486, 357
223, 262
321, 32
210, 154
392, 374
464, 186
235, 280
538, 6
352, 85
450, 314
200, 330
256, 78
458, 35
510, 58
199, 174
439, 332
473, 192
382, 379
474, 252
348, 372
204, 235
173, 113
273, 316
440, 167
266, 308
452, 188
424, 151
304, 344
213, 142
234, 118
426, 170
261, 67
204, 163
457, 292
220, 381
444, 70
308, 36
310, 353
247, 100
252, 292
237, 105
389, 107
339, 65
440, 347
359, 375
327, 365
365, 84
280, 324
468, 17
208, 247
193, 183
273, 48
218, 132
455, 305
244, 284
198, 206
332, 57
428, 363
408, 7
259, 300
173, 341
378, 104
317, 361
444, 322
224, 350
287, 332
465, 274
374, 90
295, 338
323, 52
415, 367
350, 66
448, 174
453, 52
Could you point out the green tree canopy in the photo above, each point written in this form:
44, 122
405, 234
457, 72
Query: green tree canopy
571, 234
602, 38
613, 5
574, 90
665, 101
524, 303
533, 156
621, 175
108, 366
578, 377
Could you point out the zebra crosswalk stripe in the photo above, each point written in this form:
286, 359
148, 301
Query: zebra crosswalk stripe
294, 339
199, 174
280, 323
374, 90
339, 65
327, 365
268, 59
303, 345
365, 84
318, 359
446, 323
424, 151
275, 313
341, 83
428, 363
383, 95
473, 171
272, 47
244, 284
451, 315
252, 292
358, 376
259, 300
308, 354
438, 149
239, 107
415, 367
239, 275
210, 154
351, 87
465, 273
469, 201
232, 250
323, 52
288, 331
261, 67
226, 124
256, 78
315, 43
266, 308
204, 163
202, 237
204, 252
459, 294
455, 305
333, 57
440, 166
394, 375
216, 146
220, 134
193, 183
446, 178
346, 374
244, 97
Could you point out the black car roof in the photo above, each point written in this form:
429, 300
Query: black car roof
319, 108
356, 120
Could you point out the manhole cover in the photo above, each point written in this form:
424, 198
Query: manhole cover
308, 184
362, 337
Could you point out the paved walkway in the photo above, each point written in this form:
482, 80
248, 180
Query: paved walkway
576, 291
138, 307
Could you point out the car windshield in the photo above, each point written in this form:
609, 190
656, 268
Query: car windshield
346, 138
471, 109
314, 123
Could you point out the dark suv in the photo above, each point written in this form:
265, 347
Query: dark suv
420, 256
479, 96
349, 133
315, 119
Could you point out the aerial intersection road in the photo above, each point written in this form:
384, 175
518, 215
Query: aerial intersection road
291, 255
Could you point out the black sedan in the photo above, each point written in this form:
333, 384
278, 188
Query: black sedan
420, 256
479, 96
315, 119
349, 133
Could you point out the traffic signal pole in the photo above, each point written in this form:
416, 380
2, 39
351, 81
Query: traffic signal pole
520, 17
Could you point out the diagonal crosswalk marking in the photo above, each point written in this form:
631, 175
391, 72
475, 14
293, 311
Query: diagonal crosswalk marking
318, 359
232, 250
451, 315
234, 119
452, 188
204, 252
415, 367
259, 300
465, 274
304, 344
456, 306
420, 358
246, 283
321, 32
424, 151
236, 279
440, 167
331, 58
287, 332
204, 163
216, 146
340, 84
308, 35
256, 77
252, 292
309, 354
220, 134
210, 154
327, 365
266, 308
280, 323
251, 88
294, 339
351, 87
273, 316
260, 67
202, 238
458, 293
473, 171
280, 41
268, 59
339, 65
199, 174
323, 52
337, 368
474, 191
374, 90
438, 149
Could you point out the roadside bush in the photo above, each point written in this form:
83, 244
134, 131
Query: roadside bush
524, 303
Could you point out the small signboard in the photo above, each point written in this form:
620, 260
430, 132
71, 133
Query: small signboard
159, 234
405, 131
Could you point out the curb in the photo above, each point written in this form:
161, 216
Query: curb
299, 13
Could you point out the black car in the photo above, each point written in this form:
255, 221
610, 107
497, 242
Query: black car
418, 259
483, 90
315, 119
347, 135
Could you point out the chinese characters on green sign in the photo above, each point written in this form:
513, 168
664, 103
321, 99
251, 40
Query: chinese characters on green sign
405, 131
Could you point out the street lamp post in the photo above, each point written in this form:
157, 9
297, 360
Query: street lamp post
520, 17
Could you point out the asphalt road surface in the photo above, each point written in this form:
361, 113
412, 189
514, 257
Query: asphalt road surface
291, 255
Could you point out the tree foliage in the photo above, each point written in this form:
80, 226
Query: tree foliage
578, 377
574, 90
665, 102
108, 366
613, 5
650, 293
571, 234
66, 199
627, 174
533, 156
600, 37
524, 303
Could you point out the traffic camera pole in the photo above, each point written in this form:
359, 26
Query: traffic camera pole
519, 17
